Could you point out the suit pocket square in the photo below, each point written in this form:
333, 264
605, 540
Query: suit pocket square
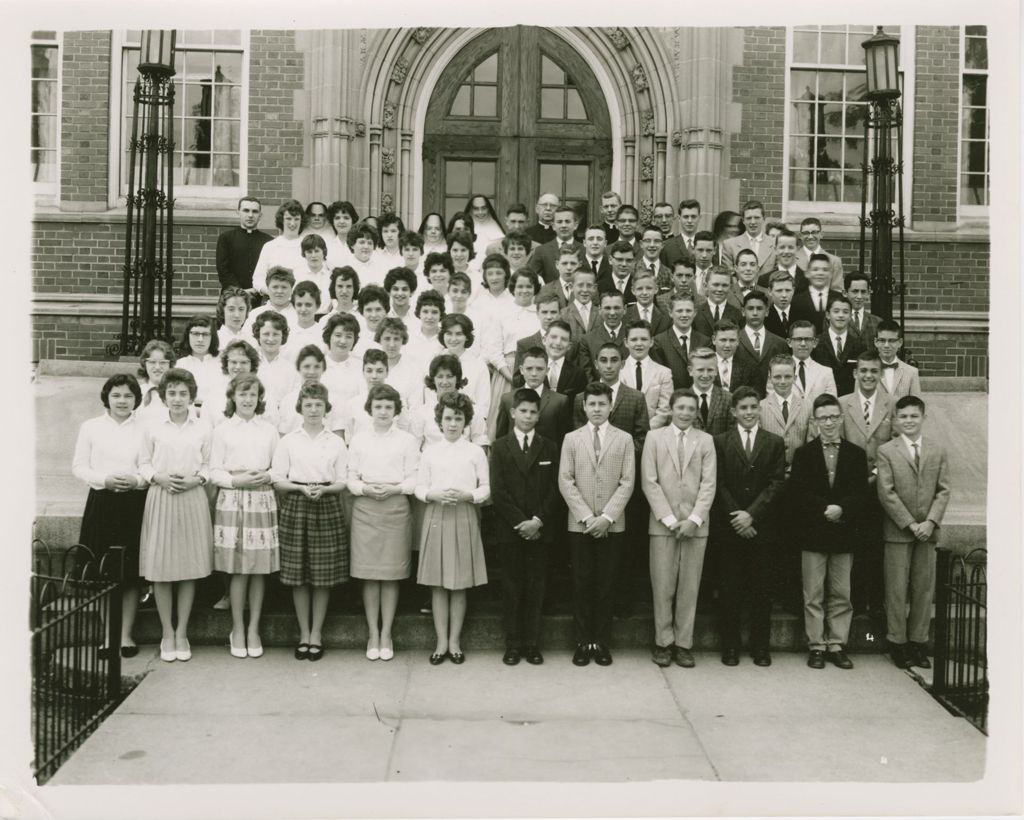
543, 463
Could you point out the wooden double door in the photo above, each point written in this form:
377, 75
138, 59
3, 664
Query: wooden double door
515, 114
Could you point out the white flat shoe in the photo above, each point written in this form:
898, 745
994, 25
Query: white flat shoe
236, 652
185, 653
254, 651
373, 653
167, 655
386, 654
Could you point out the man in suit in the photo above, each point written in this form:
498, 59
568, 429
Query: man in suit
744, 279
619, 280
785, 260
651, 242
705, 253
713, 402
678, 477
543, 261
581, 313
812, 379
828, 488
717, 306
780, 315
913, 489
732, 372
810, 237
515, 223
554, 409
783, 410
681, 283
751, 466
672, 347
862, 321
681, 245
758, 346
662, 217
595, 247
754, 239
547, 312
642, 373
595, 477
609, 329
524, 482
899, 379
563, 375
629, 408
646, 308
837, 348
610, 204
543, 231
812, 303
627, 220
568, 263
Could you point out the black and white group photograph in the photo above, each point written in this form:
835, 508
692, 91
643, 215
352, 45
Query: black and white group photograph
461, 411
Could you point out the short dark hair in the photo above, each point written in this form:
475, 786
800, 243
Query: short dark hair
373, 293
597, 389
745, 252
307, 288
838, 297
410, 239
177, 375
682, 392
726, 325
910, 401
348, 273
755, 296
744, 392
535, 352
231, 292
200, 321
311, 242
525, 394
282, 273
376, 356
610, 294
824, 400
437, 258
627, 209
248, 199
516, 238
779, 276
801, 324
639, 324
343, 320
292, 207
818, 257
890, 325
313, 391
361, 230
342, 206
459, 402
429, 298
649, 227
752, 205
310, 350
445, 361
464, 238
856, 276
392, 324
703, 236
271, 317
246, 348
689, 203
463, 321
517, 208
561, 324
383, 392
869, 355
120, 380
400, 274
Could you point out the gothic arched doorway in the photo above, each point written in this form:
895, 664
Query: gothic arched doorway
516, 112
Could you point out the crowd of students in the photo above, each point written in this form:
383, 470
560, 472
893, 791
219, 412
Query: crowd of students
363, 391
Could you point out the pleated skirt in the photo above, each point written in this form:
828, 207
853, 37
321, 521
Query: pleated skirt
381, 539
114, 519
177, 536
245, 531
313, 537
451, 551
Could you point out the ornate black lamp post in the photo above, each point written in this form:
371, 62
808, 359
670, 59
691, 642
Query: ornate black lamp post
149, 232
882, 176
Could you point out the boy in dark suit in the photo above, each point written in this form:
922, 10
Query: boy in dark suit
646, 307
751, 472
629, 407
554, 412
758, 346
780, 314
828, 488
837, 347
713, 402
672, 347
717, 306
811, 303
524, 491
862, 321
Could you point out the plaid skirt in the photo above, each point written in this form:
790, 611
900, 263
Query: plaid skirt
314, 541
245, 531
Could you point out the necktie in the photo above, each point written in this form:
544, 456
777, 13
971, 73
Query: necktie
856, 320
821, 303
597, 443
867, 412
917, 456
757, 344
785, 317
593, 264
785, 410
645, 314
803, 376
689, 245
552, 376
568, 293
748, 447
621, 285
526, 444
639, 377
718, 313
682, 449
704, 409
725, 374
686, 350
839, 348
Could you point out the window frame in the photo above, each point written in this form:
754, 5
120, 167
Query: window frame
49, 192
849, 212
185, 196
972, 212
470, 82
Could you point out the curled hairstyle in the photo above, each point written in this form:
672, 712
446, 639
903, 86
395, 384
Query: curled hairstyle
312, 391
292, 207
178, 375
392, 324
151, 345
308, 351
282, 273
435, 258
361, 230
410, 239
274, 318
597, 389
463, 238
445, 361
459, 402
516, 238
343, 320
383, 392
461, 320
494, 260
390, 219
347, 274
373, 293
200, 321
523, 273
342, 206
120, 380
312, 242
429, 298
467, 221
231, 292
307, 288
375, 356
244, 382
400, 274
245, 347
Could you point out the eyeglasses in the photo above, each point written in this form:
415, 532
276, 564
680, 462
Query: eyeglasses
827, 419
158, 362
200, 334
886, 341
810, 233
802, 341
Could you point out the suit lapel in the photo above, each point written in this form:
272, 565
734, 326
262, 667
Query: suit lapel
689, 455
858, 414
758, 444
673, 449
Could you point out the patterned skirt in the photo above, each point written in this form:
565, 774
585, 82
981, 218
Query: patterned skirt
314, 541
381, 538
451, 552
245, 531
177, 536
114, 519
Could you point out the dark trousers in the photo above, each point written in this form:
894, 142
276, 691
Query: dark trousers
867, 581
523, 576
745, 580
595, 563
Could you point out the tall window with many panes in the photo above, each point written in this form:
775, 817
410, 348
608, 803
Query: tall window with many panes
45, 143
974, 123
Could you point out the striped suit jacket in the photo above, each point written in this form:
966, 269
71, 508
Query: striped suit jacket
629, 414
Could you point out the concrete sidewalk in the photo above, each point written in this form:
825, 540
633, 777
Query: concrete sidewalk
344, 719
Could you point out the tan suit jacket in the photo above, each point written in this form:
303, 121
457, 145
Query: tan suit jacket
906, 381
674, 488
868, 437
910, 495
657, 389
795, 432
570, 314
594, 487
803, 259
765, 253
820, 379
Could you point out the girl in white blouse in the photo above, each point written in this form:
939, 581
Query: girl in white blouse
310, 364
457, 334
201, 343
284, 250
453, 481
156, 359
309, 469
245, 518
277, 372
232, 311
382, 472
176, 546
344, 374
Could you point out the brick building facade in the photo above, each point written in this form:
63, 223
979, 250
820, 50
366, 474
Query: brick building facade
707, 113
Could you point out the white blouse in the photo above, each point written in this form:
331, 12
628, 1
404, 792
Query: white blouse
226, 335
356, 420
213, 411
288, 418
241, 445
305, 459
250, 321
206, 373
423, 425
278, 376
478, 382
322, 280
107, 447
299, 337
338, 254
278, 251
407, 378
343, 380
454, 465
371, 272
383, 458
175, 449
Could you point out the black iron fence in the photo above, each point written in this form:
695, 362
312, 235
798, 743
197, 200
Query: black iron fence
960, 681
76, 682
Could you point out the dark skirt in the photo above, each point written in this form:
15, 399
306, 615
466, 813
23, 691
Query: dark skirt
114, 519
314, 540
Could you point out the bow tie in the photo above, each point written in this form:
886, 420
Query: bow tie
892, 366
830, 444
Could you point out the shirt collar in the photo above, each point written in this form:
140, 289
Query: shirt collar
910, 444
870, 399
743, 433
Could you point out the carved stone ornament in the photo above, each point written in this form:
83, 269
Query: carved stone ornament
360, 129
677, 138
618, 38
639, 78
387, 204
647, 123
647, 167
400, 71
646, 211
389, 114
420, 35
387, 160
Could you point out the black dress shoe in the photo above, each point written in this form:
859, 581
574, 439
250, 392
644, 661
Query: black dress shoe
302, 652
839, 658
438, 658
731, 657
761, 657
816, 659
683, 657
661, 655
532, 655
511, 657
581, 657
602, 657
899, 655
919, 656
129, 651
457, 657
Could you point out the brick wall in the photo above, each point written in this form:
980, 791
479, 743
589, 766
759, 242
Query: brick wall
936, 123
275, 136
81, 337
84, 117
759, 86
